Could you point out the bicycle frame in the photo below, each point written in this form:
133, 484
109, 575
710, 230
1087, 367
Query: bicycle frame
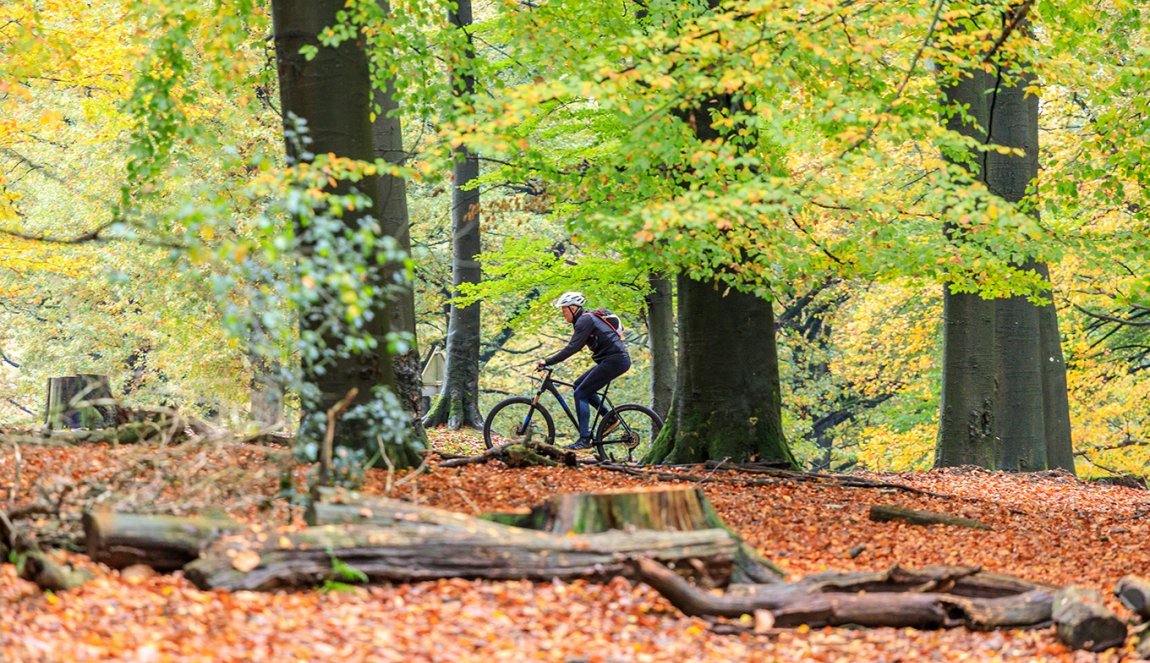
548, 386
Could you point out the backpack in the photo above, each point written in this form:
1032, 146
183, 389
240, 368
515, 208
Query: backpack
610, 318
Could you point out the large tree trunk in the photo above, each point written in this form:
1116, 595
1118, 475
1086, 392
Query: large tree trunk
1020, 416
661, 335
387, 130
1023, 409
458, 403
333, 93
727, 393
966, 431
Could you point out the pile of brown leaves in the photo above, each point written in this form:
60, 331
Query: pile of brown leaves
1047, 527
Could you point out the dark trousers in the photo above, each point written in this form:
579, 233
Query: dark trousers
611, 367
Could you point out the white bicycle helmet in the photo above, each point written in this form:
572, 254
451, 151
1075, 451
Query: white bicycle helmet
570, 298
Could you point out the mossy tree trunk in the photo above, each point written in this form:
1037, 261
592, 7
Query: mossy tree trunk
727, 393
79, 401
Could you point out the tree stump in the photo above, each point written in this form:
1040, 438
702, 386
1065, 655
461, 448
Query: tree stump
79, 401
1084, 622
165, 543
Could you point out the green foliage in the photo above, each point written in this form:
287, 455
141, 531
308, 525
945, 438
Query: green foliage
345, 572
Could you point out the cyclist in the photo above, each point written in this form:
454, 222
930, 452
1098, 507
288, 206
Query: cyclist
607, 350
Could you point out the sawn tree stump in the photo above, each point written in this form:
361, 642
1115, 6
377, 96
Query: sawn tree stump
79, 401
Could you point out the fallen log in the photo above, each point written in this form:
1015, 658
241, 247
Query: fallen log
664, 509
881, 513
165, 543
1134, 593
414, 551
1083, 621
520, 454
165, 429
860, 599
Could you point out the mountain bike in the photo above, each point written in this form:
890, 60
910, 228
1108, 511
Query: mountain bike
524, 419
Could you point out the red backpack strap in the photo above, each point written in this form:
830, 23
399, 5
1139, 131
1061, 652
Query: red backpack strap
598, 313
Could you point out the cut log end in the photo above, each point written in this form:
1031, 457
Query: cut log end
1083, 621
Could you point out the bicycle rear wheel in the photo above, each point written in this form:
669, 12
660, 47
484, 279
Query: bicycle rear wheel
518, 419
638, 425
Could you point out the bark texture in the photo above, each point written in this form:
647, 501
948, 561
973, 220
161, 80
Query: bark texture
413, 552
1083, 621
966, 432
165, 543
79, 401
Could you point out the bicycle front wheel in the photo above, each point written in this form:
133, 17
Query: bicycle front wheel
518, 419
638, 426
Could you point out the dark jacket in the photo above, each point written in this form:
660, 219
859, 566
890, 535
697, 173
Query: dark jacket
594, 333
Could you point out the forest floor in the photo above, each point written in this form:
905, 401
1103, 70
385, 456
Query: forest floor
1048, 527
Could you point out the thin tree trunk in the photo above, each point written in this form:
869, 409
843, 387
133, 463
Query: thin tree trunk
267, 394
333, 93
661, 335
1055, 397
387, 130
458, 403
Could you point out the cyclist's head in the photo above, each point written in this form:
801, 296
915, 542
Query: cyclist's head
570, 298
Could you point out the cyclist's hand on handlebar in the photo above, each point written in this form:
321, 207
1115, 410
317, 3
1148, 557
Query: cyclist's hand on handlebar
541, 366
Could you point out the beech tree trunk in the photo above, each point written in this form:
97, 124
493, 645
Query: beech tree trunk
727, 392
387, 132
661, 337
458, 402
79, 401
966, 431
333, 93
1022, 409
